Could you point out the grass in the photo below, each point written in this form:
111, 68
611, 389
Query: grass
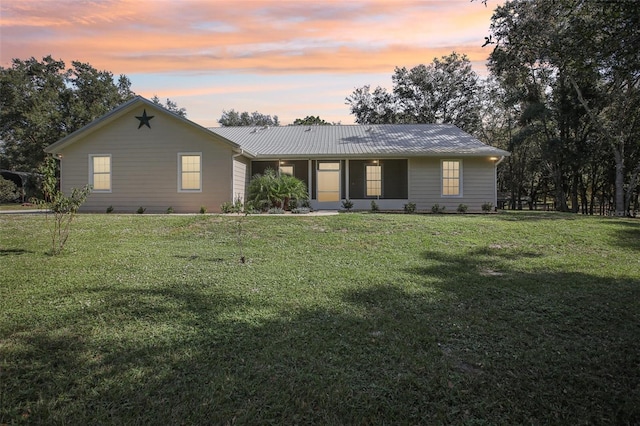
515, 318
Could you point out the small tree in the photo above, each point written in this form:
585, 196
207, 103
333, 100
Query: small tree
62, 207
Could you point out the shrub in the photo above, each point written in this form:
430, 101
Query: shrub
487, 207
301, 210
410, 208
374, 206
110, 209
462, 208
275, 190
226, 207
141, 210
437, 208
347, 205
8, 190
203, 209
250, 208
169, 210
276, 210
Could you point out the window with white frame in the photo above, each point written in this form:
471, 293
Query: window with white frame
451, 178
373, 173
190, 172
100, 172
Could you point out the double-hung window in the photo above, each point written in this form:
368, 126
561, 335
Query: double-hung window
190, 172
451, 178
373, 173
100, 172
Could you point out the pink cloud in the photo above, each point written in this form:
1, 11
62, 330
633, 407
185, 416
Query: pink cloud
127, 36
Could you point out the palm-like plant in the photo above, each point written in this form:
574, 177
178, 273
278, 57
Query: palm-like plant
273, 190
291, 188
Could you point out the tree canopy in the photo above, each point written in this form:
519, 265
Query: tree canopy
234, 118
310, 120
170, 106
563, 96
570, 72
445, 91
43, 101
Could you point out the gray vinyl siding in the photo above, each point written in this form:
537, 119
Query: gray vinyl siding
144, 165
241, 176
478, 183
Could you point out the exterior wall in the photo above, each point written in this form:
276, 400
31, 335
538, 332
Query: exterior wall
423, 186
478, 183
144, 165
394, 179
241, 176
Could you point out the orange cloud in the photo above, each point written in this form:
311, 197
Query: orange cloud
127, 36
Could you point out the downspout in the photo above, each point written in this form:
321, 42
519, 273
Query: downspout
495, 180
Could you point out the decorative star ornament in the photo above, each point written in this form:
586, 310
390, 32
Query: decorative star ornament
144, 119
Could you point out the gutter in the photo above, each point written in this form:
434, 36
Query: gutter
242, 152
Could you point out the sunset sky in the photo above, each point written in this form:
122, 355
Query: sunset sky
279, 57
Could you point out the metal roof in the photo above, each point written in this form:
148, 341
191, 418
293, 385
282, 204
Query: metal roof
383, 140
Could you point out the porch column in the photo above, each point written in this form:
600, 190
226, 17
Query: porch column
346, 177
310, 179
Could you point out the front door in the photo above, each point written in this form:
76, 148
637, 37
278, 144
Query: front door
328, 184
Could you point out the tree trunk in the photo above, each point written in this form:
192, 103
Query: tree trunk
560, 198
619, 157
617, 147
632, 188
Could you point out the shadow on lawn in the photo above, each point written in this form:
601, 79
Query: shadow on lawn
628, 234
13, 252
461, 346
533, 215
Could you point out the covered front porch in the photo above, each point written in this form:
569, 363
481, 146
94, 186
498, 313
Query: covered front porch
331, 181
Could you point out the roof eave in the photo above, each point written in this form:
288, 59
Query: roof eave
370, 155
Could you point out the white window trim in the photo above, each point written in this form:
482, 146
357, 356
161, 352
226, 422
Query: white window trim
460, 185
366, 180
101, 191
180, 155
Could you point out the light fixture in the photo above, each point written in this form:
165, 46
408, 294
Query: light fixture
493, 158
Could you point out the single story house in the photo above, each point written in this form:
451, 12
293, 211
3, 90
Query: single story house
142, 155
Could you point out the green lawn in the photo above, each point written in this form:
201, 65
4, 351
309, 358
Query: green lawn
512, 318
